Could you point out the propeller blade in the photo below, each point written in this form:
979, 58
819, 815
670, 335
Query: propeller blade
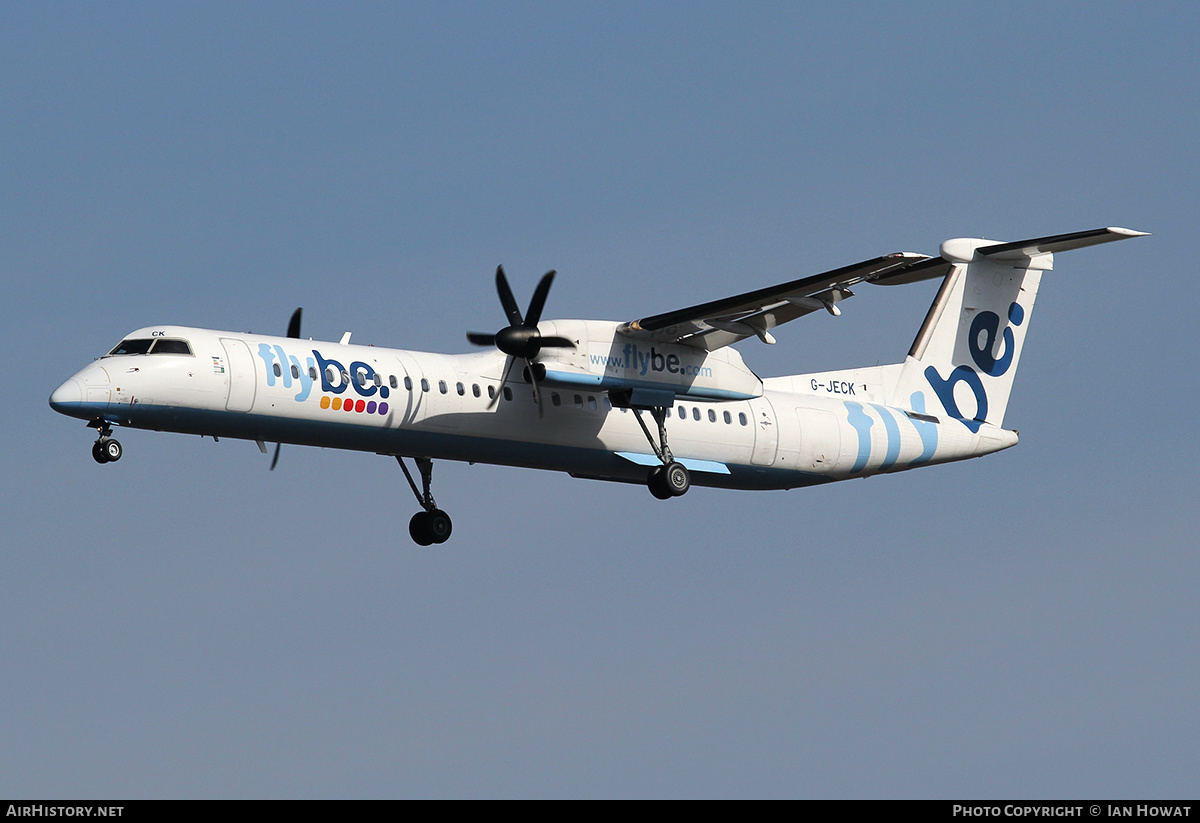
506, 298
537, 395
508, 363
481, 339
278, 446
539, 299
556, 343
294, 323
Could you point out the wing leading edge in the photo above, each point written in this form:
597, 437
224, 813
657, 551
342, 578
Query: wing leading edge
719, 323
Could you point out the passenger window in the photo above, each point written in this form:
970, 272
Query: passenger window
295, 372
345, 377
460, 388
278, 371
695, 413
329, 375
712, 416
312, 372
475, 389
491, 392
555, 400
392, 381
407, 383
728, 418
507, 393
682, 413
442, 386
424, 384
378, 381
578, 402
591, 403
742, 418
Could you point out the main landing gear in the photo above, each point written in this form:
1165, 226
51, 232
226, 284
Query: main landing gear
671, 479
105, 449
431, 525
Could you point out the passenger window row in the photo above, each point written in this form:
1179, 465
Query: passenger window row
556, 399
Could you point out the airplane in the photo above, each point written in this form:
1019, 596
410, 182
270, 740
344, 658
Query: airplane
574, 395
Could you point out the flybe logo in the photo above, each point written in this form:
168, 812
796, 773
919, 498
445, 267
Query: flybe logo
334, 378
981, 342
639, 361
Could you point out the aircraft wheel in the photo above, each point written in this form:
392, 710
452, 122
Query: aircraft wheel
439, 525
418, 529
658, 484
112, 450
676, 479
98, 452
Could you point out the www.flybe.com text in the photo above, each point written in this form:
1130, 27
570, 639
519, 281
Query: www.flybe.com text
641, 362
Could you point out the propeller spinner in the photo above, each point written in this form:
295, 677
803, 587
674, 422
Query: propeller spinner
521, 338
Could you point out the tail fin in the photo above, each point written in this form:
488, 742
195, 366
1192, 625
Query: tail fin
966, 353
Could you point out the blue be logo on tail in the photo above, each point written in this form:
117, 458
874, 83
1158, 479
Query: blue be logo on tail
981, 341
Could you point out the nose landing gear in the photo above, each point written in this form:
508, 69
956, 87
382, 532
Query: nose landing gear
105, 449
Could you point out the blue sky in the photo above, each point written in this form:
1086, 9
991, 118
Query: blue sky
187, 624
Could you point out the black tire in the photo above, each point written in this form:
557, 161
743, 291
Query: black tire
656, 482
98, 453
112, 450
418, 529
439, 525
676, 479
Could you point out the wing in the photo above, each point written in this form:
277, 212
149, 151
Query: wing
718, 323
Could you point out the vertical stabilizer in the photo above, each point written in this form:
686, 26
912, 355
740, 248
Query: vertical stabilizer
963, 360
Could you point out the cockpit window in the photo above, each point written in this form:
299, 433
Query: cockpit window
151, 345
166, 345
134, 345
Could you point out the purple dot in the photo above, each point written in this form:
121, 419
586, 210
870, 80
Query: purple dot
383, 408
371, 407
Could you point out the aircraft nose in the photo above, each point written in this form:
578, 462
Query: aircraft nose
66, 396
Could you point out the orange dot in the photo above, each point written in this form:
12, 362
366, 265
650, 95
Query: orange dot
337, 403
325, 401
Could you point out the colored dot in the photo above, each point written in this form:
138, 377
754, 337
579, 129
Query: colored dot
325, 401
337, 403
348, 406
383, 392
371, 407
360, 405
383, 408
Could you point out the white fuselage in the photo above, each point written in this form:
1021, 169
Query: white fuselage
725, 425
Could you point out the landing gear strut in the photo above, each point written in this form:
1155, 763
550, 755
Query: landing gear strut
431, 525
105, 449
670, 479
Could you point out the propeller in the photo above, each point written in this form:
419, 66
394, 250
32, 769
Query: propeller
293, 330
520, 339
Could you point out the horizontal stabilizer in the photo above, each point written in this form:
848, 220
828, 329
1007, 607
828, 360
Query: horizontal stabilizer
1057, 243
